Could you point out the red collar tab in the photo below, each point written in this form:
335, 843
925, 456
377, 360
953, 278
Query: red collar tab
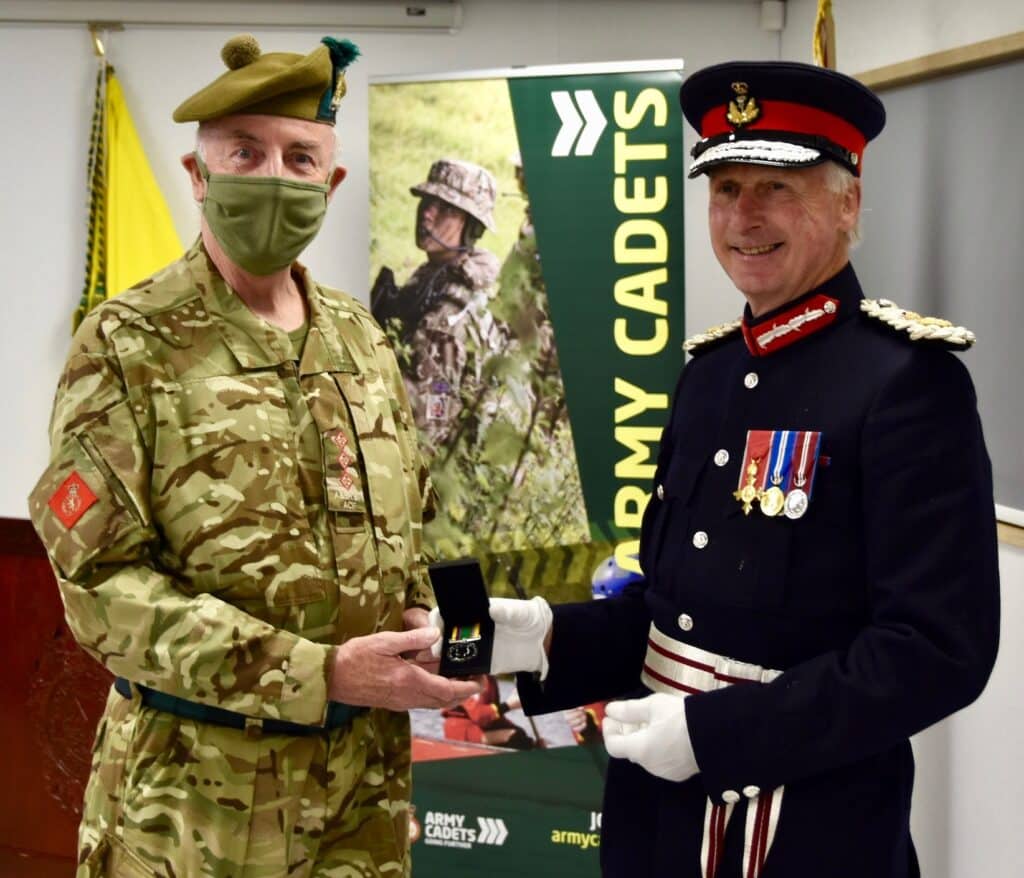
779, 117
790, 325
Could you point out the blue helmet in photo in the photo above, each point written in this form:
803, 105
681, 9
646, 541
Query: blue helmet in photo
609, 579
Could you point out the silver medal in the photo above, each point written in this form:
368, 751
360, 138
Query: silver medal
796, 504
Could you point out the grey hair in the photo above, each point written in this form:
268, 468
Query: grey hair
839, 181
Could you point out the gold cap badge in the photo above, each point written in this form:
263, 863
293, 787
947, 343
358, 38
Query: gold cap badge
744, 109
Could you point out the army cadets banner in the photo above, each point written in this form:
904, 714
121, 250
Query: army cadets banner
527, 264
540, 357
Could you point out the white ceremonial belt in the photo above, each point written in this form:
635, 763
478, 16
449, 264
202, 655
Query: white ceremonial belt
677, 668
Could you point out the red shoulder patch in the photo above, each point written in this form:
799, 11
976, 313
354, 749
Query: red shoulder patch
71, 500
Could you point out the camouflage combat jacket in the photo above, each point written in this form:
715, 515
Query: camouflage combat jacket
219, 514
451, 338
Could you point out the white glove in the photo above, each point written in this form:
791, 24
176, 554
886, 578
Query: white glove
651, 732
520, 628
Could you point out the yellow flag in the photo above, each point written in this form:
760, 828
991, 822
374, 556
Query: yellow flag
131, 234
141, 237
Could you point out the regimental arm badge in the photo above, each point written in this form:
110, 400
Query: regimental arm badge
71, 500
744, 109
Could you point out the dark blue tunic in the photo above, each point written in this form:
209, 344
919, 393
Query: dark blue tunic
880, 604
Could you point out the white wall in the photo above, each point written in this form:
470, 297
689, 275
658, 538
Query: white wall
966, 818
965, 821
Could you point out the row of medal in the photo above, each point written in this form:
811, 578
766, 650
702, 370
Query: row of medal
778, 471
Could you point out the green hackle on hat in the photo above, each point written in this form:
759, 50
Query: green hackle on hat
343, 53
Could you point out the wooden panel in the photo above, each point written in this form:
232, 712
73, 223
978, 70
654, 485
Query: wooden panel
1010, 534
52, 697
970, 57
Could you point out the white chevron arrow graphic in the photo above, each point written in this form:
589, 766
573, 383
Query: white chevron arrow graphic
489, 830
592, 123
571, 123
492, 830
502, 831
595, 126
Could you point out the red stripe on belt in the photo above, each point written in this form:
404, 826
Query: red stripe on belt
668, 681
700, 666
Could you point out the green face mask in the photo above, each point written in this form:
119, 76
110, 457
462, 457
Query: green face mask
262, 223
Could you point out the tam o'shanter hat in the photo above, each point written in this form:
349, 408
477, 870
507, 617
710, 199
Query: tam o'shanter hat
779, 113
463, 184
274, 84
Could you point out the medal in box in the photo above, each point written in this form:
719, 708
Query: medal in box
468, 637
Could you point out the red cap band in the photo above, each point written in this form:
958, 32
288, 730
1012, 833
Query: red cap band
787, 116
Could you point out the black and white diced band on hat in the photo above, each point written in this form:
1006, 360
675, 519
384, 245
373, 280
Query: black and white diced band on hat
779, 113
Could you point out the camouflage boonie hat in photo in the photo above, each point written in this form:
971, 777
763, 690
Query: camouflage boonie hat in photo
467, 186
277, 84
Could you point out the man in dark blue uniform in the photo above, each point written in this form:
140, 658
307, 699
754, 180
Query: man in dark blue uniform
819, 548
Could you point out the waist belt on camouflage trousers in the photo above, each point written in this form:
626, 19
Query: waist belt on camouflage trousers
678, 668
338, 714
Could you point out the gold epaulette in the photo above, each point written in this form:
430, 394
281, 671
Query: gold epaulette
933, 329
716, 333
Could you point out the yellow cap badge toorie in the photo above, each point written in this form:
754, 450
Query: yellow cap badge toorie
275, 84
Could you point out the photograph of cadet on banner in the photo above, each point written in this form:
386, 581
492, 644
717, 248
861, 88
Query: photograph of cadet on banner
537, 332
457, 285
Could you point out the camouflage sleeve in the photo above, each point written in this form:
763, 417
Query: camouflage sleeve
419, 592
125, 607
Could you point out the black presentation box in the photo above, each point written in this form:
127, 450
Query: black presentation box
468, 629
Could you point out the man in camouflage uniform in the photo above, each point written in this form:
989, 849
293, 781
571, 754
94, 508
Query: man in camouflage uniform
233, 510
441, 319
